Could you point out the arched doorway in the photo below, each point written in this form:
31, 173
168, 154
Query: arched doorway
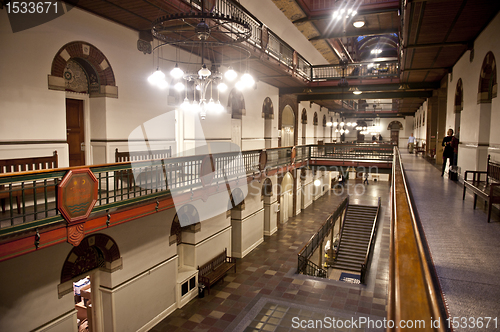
394, 127
236, 105
359, 129
303, 120
315, 124
286, 198
83, 71
81, 273
324, 129
287, 126
267, 195
268, 115
487, 90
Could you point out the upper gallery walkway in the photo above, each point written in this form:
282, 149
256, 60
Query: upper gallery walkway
154, 183
464, 248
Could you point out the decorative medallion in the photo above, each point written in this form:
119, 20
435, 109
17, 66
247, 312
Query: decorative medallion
144, 46
293, 154
262, 160
207, 171
77, 194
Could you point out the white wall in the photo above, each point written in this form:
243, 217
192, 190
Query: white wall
473, 148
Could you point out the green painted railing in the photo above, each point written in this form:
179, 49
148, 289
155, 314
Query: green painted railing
30, 197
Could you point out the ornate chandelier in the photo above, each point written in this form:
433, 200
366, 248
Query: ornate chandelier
207, 35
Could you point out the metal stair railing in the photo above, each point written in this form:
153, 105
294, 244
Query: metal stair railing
316, 240
364, 266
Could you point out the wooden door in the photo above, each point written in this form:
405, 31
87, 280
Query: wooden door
361, 137
74, 132
395, 137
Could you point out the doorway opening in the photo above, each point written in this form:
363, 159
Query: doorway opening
75, 132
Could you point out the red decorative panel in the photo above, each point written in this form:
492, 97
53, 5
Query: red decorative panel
75, 234
77, 194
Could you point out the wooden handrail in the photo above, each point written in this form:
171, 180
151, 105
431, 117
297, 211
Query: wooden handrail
413, 296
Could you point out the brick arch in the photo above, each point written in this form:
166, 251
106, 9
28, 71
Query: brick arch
395, 125
88, 56
93, 252
459, 96
487, 89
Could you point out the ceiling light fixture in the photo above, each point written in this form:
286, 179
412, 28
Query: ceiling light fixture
357, 92
212, 33
358, 24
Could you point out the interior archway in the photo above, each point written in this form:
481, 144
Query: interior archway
304, 126
286, 198
287, 126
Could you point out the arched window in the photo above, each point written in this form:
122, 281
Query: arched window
487, 80
459, 97
304, 116
236, 103
268, 109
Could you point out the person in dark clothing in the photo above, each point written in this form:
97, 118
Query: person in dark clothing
448, 150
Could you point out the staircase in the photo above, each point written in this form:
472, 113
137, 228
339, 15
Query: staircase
355, 238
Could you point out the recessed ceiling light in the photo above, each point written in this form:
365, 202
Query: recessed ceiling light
358, 24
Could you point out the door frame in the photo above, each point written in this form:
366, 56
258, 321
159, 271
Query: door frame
86, 123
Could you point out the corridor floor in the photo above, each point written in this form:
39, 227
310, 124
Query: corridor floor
266, 295
465, 248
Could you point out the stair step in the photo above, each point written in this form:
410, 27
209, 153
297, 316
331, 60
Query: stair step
351, 256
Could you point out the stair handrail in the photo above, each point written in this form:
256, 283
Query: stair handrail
341, 231
371, 244
306, 252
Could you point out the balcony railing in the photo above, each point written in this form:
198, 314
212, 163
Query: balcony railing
361, 151
30, 197
284, 53
356, 70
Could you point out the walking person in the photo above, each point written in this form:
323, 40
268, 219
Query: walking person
448, 150
411, 143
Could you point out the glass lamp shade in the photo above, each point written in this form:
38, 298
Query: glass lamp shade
176, 72
248, 80
204, 71
179, 87
222, 87
156, 77
230, 74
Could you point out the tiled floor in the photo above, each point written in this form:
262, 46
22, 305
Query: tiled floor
265, 294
